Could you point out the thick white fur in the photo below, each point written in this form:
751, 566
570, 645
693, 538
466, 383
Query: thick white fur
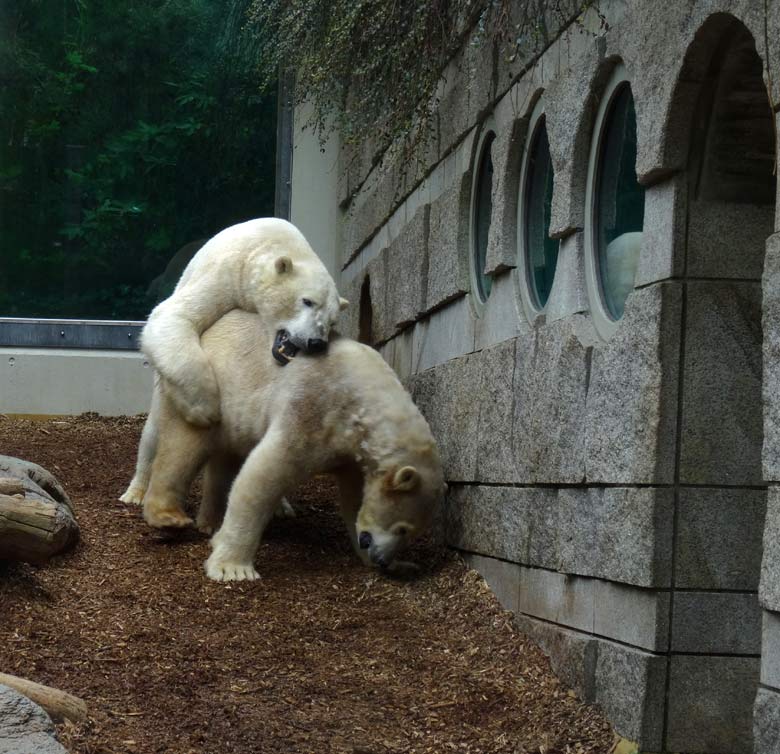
344, 412
622, 261
264, 266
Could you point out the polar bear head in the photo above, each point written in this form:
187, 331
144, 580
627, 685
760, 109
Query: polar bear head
301, 299
399, 504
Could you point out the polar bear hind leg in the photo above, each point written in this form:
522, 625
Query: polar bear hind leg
220, 472
147, 449
181, 452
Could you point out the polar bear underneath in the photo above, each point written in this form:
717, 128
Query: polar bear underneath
344, 413
264, 266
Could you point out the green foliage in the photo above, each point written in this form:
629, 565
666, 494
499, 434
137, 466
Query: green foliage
128, 130
374, 66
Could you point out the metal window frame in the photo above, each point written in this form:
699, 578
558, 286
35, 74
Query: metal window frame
284, 144
113, 335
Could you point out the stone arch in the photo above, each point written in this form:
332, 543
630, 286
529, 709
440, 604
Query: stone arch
716, 135
571, 105
508, 150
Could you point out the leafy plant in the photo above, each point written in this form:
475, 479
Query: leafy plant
129, 130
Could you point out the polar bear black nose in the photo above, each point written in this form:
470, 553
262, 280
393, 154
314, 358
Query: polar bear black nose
316, 345
364, 540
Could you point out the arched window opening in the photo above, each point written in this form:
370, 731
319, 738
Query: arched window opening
365, 314
541, 251
619, 208
482, 210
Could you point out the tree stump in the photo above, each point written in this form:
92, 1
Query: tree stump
36, 516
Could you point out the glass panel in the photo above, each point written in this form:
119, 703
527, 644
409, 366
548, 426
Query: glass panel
483, 210
130, 133
620, 208
541, 250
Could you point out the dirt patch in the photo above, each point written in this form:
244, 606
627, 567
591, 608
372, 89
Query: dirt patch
318, 656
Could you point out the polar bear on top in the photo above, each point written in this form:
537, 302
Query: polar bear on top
264, 266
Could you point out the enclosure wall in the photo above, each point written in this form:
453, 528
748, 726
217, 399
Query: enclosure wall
608, 484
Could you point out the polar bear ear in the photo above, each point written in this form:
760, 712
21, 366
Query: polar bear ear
343, 303
283, 265
405, 479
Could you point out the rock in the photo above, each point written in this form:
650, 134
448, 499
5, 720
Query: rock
24, 727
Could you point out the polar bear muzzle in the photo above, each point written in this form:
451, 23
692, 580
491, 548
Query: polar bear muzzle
283, 349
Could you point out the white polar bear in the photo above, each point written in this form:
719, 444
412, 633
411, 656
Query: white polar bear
264, 266
344, 412
622, 261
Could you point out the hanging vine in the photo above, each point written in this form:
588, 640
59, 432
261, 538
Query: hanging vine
373, 66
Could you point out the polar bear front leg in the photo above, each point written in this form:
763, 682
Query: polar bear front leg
172, 342
261, 483
350, 480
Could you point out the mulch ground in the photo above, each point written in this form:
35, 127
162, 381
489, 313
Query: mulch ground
320, 655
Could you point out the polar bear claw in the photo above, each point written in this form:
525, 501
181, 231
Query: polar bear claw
221, 570
134, 495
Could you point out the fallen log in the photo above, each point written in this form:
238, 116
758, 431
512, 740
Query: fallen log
33, 530
11, 486
36, 518
58, 704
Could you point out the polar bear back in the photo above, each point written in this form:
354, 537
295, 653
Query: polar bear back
270, 236
255, 389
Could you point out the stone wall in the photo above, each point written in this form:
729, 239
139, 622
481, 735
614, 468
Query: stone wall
614, 493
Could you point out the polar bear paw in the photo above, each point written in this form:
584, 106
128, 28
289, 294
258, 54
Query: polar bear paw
133, 494
222, 570
166, 518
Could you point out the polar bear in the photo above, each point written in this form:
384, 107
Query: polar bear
264, 266
622, 261
344, 412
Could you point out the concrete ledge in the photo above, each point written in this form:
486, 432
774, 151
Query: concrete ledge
627, 683
613, 534
639, 617
71, 381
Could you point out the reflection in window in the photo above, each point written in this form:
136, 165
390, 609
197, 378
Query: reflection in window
541, 250
482, 212
620, 204
130, 133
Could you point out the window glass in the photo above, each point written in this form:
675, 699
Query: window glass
620, 204
541, 250
482, 212
131, 132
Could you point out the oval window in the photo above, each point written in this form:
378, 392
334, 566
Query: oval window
541, 251
619, 208
483, 208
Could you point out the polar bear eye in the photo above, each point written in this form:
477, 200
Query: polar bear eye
308, 302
